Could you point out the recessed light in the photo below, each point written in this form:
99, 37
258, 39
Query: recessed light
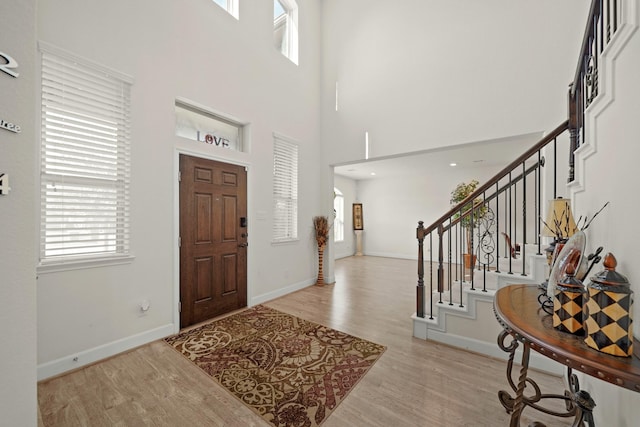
373, 173
453, 164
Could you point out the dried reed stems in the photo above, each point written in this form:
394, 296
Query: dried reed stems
321, 226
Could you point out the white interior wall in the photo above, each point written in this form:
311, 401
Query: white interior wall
166, 48
390, 231
410, 76
421, 74
18, 160
607, 171
348, 187
202, 54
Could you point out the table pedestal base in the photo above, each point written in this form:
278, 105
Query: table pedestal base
578, 403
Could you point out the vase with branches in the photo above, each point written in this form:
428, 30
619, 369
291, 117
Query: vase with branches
468, 220
321, 227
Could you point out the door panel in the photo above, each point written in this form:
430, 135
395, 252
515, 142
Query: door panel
204, 212
203, 279
213, 251
230, 263
230, 221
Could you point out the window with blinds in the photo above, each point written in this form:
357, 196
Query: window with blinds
285, 190
85, 160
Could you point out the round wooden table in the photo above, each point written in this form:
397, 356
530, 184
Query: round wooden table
518, 311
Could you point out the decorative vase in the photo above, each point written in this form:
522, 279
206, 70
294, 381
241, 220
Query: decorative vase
320, 281
469, 260
568, 304
609, 310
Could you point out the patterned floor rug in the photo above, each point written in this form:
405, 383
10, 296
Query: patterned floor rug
290, 371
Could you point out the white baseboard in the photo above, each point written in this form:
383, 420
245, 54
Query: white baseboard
280, 292
92, 355
422, 330
536, 361
343, 255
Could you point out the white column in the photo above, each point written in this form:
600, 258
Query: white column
358, 242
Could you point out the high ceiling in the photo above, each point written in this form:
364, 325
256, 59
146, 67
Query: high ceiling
495, 152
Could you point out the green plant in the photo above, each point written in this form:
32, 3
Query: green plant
468, 221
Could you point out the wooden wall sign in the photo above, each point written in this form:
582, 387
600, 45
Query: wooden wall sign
358, 222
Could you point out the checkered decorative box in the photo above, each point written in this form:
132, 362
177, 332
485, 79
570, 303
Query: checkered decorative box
608, 312
568, 304
568, 314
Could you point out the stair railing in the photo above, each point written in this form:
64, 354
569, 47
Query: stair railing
504, 201
500, 194
602, 24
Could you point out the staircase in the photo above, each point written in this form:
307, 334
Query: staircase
465, 304
454, 304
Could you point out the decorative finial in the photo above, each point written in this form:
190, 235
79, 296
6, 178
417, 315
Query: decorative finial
610, 261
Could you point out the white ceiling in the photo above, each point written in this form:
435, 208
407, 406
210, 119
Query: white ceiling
495, 152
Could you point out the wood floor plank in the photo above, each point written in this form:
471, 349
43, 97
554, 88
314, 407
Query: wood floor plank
414, 383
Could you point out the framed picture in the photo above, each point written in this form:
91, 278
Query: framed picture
358, 223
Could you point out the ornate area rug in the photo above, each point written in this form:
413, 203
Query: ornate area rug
290, 371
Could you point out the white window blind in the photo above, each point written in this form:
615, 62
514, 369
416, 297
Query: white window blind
85, 160
285, 190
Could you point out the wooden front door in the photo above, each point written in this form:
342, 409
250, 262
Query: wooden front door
213, 239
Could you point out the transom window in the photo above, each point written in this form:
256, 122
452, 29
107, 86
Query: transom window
198, 124
285, 28
230, 6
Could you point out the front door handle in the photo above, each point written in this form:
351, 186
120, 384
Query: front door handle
243, 245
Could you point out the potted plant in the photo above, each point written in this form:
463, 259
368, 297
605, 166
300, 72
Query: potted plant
468, 222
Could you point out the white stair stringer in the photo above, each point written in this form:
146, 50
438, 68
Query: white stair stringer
442, 310
471, 324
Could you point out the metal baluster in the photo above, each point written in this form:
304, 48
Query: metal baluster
420, 286
472, 263
457, 252
497, 228
440, 261
510, 221
506, 219
461, 283
449, 267
523, 246
539, 206
461, 242
615, 16
608, 38
484, 264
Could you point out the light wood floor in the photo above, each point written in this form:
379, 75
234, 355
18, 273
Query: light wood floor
414, 383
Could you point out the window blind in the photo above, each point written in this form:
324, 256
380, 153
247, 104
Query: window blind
85, 160
285, 190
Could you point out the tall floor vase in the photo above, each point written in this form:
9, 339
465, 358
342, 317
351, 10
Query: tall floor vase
320, 281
